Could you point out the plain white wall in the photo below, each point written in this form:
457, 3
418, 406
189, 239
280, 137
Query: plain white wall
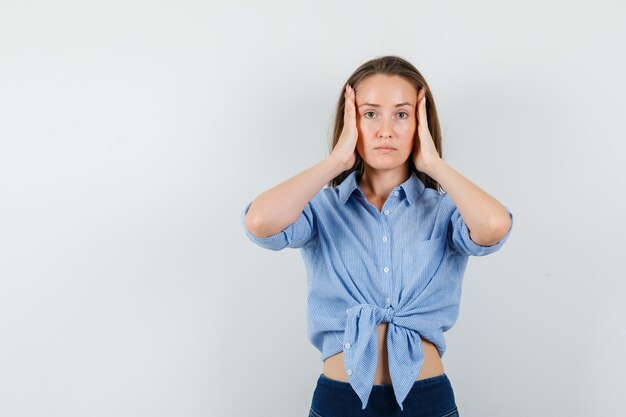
132, 134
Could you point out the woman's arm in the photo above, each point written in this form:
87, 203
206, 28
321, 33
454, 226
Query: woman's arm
487, 219
275, 209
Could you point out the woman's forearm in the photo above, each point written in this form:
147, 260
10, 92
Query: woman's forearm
487, 219
276, 208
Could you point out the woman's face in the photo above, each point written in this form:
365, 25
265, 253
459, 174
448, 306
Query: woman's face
385, 116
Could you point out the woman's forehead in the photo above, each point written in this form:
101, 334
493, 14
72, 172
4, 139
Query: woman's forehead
385, 90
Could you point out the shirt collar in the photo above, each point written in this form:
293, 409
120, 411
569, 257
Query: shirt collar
413, 187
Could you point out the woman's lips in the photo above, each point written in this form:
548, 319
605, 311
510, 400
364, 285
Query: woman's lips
384, 149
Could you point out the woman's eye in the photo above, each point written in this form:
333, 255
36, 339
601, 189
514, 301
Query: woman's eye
371, 112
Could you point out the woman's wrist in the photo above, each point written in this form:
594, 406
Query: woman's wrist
336, 162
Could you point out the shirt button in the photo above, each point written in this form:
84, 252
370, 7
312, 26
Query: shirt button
386, 269
348, 310
349, 371
386, 212
347, 345
384, 238
387, 299
395, 193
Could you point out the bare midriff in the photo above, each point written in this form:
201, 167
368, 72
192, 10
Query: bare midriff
432, 366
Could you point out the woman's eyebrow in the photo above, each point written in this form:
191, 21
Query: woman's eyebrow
378, 105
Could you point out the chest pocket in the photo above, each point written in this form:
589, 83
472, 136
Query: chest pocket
420, 261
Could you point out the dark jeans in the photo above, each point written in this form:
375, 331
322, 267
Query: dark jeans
430, 397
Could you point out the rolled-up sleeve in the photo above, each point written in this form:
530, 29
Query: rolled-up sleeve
459, 236
295, 235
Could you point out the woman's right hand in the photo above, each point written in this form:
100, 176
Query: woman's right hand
345, 149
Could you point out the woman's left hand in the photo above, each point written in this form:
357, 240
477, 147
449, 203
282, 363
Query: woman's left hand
424, 152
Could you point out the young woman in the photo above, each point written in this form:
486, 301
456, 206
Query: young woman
384, 246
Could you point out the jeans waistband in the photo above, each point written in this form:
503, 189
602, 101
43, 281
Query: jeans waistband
437, 379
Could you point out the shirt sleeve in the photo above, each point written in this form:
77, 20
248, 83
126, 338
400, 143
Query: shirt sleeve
459, 237
295, 235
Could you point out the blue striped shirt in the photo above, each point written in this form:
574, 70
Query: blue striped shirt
403, 265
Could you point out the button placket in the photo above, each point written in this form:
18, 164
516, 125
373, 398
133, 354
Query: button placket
347, 345
387, 277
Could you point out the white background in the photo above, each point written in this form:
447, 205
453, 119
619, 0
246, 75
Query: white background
132, 134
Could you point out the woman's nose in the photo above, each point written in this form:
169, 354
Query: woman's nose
385, 127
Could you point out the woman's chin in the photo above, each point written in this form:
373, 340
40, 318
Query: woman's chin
384, 163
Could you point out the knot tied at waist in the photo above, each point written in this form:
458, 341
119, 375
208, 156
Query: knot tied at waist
360, 348
388, 315
385, 314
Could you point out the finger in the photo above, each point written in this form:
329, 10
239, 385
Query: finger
348, 91
422, 112
347, 99
349, 105
420, 95
351, 95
